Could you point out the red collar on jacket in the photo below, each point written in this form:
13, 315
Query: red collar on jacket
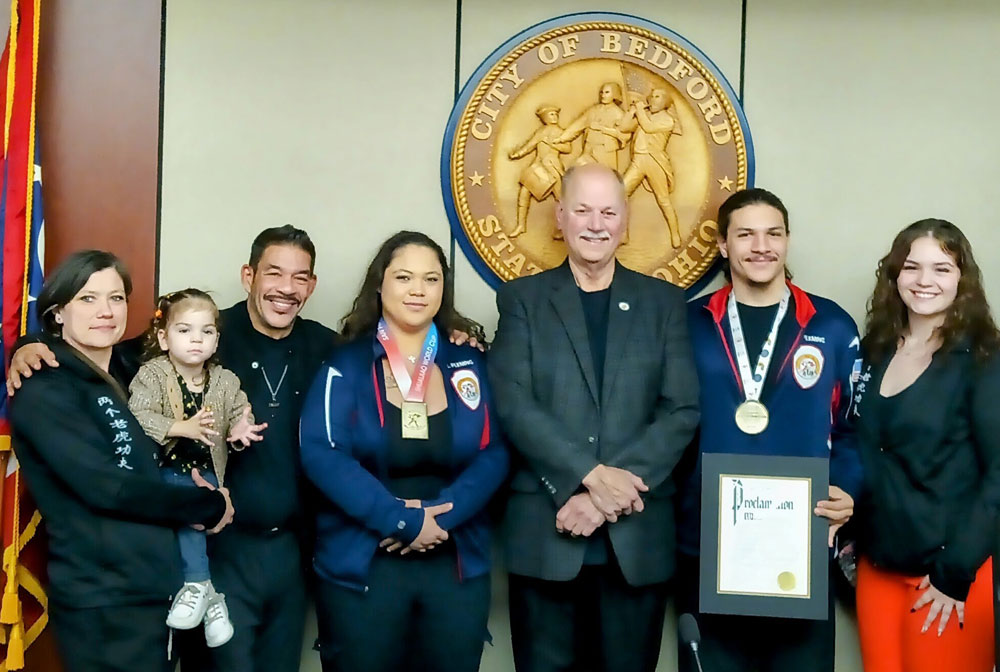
804, 308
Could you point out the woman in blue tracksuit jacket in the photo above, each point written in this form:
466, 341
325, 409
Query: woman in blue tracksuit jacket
397, 435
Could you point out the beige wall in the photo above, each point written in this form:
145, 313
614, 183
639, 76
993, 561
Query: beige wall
329, 115
867, 116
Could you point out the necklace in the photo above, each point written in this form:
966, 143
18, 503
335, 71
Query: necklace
196, 381
274, 403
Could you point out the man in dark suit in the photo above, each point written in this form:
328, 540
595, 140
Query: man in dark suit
596, 390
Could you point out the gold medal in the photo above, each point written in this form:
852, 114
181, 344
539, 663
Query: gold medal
751, 417
414, 416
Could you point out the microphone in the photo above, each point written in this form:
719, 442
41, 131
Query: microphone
688, 627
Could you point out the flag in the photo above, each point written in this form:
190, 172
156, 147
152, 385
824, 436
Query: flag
24, 606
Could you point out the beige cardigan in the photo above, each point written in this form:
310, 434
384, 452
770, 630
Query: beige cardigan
156, 400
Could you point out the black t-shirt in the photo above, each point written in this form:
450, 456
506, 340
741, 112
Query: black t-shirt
418, 468
267, 471
756, 322
265, 479
595, 312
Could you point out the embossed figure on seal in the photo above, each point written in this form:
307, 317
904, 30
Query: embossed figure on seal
599, 125
653, 124
543, 176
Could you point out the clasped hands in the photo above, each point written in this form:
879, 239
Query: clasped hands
431, 534
611, 492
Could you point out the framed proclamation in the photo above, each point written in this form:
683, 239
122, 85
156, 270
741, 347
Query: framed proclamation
763, 550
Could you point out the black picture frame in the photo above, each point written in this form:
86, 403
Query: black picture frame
816, 605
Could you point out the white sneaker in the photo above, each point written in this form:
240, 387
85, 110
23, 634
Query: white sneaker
188, 608
218, 627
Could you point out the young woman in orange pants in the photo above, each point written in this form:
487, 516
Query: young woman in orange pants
892, 637
929, 436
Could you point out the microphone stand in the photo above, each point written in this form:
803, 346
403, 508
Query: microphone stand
697, 658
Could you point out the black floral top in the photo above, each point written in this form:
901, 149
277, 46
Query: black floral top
189, 454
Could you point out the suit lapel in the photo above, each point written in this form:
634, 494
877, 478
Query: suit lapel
621, 317
566, 302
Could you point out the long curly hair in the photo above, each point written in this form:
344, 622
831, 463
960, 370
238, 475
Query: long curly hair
968, 319
367, 307
166, 307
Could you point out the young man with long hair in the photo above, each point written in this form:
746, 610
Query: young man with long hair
775, 366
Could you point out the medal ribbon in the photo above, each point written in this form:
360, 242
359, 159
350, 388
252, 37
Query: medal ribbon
753, 381
412, 389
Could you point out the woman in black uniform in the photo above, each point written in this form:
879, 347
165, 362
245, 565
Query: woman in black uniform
113, 560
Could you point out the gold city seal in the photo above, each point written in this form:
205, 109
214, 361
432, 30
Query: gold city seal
594, 88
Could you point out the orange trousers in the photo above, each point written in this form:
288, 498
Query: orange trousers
891, 640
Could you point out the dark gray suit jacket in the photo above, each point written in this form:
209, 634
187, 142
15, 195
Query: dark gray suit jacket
560, 426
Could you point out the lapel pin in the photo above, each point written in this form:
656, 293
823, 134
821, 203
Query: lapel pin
624, 305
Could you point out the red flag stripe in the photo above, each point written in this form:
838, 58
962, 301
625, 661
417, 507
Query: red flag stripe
24, 604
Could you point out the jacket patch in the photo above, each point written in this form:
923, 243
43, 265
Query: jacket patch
466, 385
808, 365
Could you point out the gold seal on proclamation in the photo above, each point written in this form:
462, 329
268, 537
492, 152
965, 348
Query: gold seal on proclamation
786, 581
